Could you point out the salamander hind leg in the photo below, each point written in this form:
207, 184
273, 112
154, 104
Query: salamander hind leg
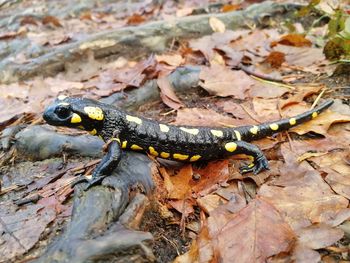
259, 163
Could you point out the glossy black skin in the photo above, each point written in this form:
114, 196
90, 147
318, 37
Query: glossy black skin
148, 133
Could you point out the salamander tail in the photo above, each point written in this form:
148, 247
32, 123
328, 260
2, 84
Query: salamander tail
255, 132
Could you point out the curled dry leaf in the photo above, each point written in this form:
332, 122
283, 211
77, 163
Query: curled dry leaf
167, 93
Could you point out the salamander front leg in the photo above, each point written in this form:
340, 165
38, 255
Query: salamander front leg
259, 163
108, 163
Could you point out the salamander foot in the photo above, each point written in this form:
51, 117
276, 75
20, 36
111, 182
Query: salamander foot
259, 164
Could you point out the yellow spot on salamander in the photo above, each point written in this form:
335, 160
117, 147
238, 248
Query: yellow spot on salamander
254, 130
163, 128
217, 133
292, 121
93, 132
153, 151
195, 158
124, 144
133, 119
75, 118
314, 114
181, 157
61, 97
238, 135
230, 146
136, 147
94, 113
274, 126
164, 155
251, 165
190, 131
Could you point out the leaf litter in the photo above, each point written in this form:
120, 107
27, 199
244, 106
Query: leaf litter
290, 212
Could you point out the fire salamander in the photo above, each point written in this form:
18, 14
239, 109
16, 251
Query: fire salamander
181, 143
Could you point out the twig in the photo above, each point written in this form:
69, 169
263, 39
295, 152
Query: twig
259, 75
274, 83
318, 98
250, 115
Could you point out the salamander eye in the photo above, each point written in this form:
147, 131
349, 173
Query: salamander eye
63, 112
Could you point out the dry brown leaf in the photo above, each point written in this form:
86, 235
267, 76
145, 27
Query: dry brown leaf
172, 60
304, 254
302, 195
28, 20
304, 57
183, 206
206, 44
241, 112
167, 93
254, 234
221, 81
295, 40
300, 93
51, 20
322, 123
178, 186
267, 90
275, 59
230, 7
135, 19
319, 236
212, 175
266, 109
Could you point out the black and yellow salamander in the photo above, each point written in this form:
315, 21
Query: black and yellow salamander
181, 143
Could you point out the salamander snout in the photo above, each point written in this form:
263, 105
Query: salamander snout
58, 114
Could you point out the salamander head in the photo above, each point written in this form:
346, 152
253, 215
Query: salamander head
77, 113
